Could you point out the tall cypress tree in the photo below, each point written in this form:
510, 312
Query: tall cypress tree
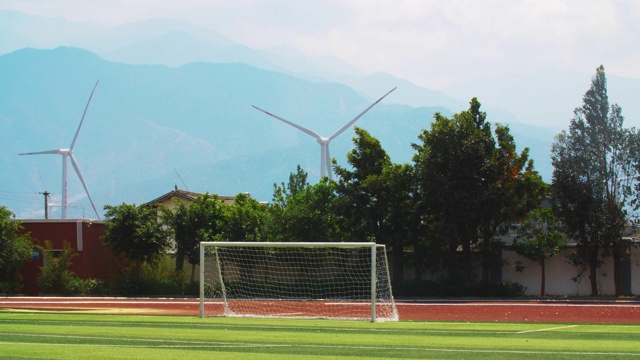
594, 163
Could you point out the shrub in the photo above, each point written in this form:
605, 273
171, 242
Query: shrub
128, 286
4, 288
74, 286
455, 288
55, 274
156, 278
97, 287
11, 287
133, 286
193, 289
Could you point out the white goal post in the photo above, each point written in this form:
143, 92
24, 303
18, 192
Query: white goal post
346, 280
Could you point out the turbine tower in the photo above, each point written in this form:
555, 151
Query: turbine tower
325, 156
68, 154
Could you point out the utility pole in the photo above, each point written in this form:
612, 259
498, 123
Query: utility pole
46, 204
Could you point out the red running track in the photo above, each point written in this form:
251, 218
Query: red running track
618, 312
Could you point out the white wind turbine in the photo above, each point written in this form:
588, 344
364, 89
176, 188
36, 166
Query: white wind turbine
68, 153
325, 156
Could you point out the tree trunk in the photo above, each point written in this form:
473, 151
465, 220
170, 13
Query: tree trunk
489, 257
398, 264
617, 260
452, 264
179, 261
453, 267
593, 272
542, 278
418, 258
487, 260
466, 258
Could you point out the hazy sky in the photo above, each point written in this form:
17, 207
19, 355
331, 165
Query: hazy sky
432, 43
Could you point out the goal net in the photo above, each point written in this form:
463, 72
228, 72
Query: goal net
299, 280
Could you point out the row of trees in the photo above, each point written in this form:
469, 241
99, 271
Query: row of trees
445, 211
141, 233
467, 183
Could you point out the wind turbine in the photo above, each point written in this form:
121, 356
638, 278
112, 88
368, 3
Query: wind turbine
325, 156
68, 154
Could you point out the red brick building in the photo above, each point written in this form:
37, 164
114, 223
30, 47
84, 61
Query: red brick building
94, 260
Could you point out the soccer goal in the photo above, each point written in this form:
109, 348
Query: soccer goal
296, 280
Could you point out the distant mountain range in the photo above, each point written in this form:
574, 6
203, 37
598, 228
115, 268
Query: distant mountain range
146, 120
174, 101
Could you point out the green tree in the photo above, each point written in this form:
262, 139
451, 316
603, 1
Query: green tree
540, 238
471, 186
303, 212
454, 170
518, 189
359, 189
15, 249
593, 163
283, 193
135, 232
245, 220
401, 222
189, 224
374, 198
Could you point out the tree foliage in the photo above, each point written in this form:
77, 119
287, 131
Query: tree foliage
245, 220
375, 198
135, 232
189, 224
539, 238
593, 163
303, 212
470, 184
453, 175
360, 189
465, 185
517, 190
15, 249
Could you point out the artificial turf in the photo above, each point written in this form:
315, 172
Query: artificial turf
40, 335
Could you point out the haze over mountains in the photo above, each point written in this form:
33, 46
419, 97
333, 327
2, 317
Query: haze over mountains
175, 98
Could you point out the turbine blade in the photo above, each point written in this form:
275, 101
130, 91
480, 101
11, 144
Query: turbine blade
301, 128
327, 161
75, 166
73, 143
323, 159
342, 129
54, 152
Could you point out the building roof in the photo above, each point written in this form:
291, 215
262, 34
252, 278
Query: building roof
187, 196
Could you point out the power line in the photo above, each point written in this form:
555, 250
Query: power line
18, 192
18, 200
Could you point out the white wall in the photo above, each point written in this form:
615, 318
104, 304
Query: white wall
559, 274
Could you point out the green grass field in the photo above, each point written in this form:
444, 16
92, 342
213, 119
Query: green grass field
39, 335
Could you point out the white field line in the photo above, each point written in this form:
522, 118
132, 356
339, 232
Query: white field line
94, 301
521, 304
283, 327
546, 329
98, 297
217, 345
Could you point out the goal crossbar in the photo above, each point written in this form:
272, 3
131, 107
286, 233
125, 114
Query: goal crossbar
215, 278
